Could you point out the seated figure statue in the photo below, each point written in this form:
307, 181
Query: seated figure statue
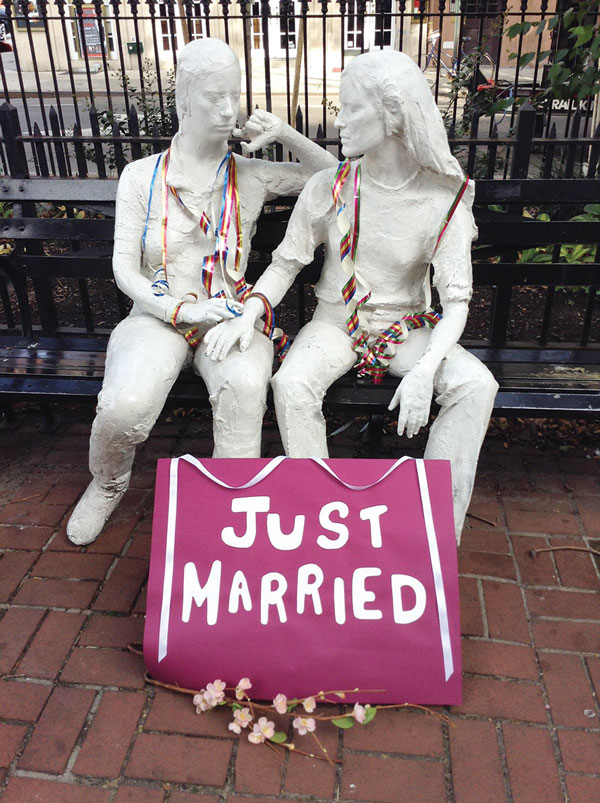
383, 219
184, 222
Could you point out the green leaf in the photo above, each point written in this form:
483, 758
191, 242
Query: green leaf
555, 71
553, 22
584, 33
236, 706
279, 737
369, 715
514, 30
526, 58
343, 722
540, 27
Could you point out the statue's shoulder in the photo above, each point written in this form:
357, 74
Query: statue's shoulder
139, 173
319, 184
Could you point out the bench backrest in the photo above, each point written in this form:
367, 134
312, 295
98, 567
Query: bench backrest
62, 231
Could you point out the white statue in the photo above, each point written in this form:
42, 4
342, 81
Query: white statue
380, 218
184, 222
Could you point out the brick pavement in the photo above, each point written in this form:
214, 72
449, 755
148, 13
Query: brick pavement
78, 724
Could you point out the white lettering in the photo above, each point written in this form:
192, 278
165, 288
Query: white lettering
372, 515
360, 595
270, 595
250, 505
339, 600
310, 579
194, 592
324, 520
285, 541
239, 593
401, 616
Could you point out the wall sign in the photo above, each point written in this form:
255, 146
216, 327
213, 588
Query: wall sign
91, 32
306, 575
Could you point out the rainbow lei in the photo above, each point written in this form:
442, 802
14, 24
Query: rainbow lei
230, 213
374, 359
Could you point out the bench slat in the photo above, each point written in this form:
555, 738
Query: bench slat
537, 191
84, 229
59, 190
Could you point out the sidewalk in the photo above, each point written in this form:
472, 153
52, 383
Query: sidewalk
79, 724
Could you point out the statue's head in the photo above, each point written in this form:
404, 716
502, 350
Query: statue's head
400, 103
206, 67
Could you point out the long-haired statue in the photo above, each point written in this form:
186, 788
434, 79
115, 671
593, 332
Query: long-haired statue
383, 218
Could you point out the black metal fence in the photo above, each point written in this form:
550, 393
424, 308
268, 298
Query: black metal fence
93, 82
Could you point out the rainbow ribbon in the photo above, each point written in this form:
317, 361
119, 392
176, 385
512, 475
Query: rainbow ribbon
449, 214
374, 360
230, 213
349, 242
269, 328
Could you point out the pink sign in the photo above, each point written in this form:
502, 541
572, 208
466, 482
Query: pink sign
306, 575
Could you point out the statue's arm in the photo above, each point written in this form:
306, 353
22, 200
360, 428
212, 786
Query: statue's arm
453, 280
263, 128
130, 220
304, 232
130, 217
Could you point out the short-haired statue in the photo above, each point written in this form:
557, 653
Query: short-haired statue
398, 203
184, 222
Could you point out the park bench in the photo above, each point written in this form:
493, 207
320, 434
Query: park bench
59, 303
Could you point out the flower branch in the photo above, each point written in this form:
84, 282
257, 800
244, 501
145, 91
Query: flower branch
252, 717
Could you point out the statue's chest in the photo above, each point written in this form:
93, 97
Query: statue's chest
396, 230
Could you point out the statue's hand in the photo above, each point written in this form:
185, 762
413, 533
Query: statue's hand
261, 129
219, 341
413, 395
211, 311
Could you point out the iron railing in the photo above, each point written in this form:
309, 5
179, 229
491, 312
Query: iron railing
93, 81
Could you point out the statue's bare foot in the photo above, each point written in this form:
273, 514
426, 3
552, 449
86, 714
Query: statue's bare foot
94, 508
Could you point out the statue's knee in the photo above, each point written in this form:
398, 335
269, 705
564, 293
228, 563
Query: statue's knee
293, 390
243, 392
125, 415
486, 384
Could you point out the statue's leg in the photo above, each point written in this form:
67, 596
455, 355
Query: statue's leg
465, 390
237, 388
321, 353
144, 358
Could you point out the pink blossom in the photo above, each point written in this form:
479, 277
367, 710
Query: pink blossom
204, 701
242, 687
241, 719
360, 712
280, 704
261, 730
304, 725
216, 690
309, 705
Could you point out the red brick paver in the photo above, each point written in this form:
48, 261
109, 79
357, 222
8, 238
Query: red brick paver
79, 724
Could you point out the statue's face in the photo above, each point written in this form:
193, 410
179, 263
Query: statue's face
215, 104
360, 121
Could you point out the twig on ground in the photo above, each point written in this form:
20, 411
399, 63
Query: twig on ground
480, 518
589, 550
